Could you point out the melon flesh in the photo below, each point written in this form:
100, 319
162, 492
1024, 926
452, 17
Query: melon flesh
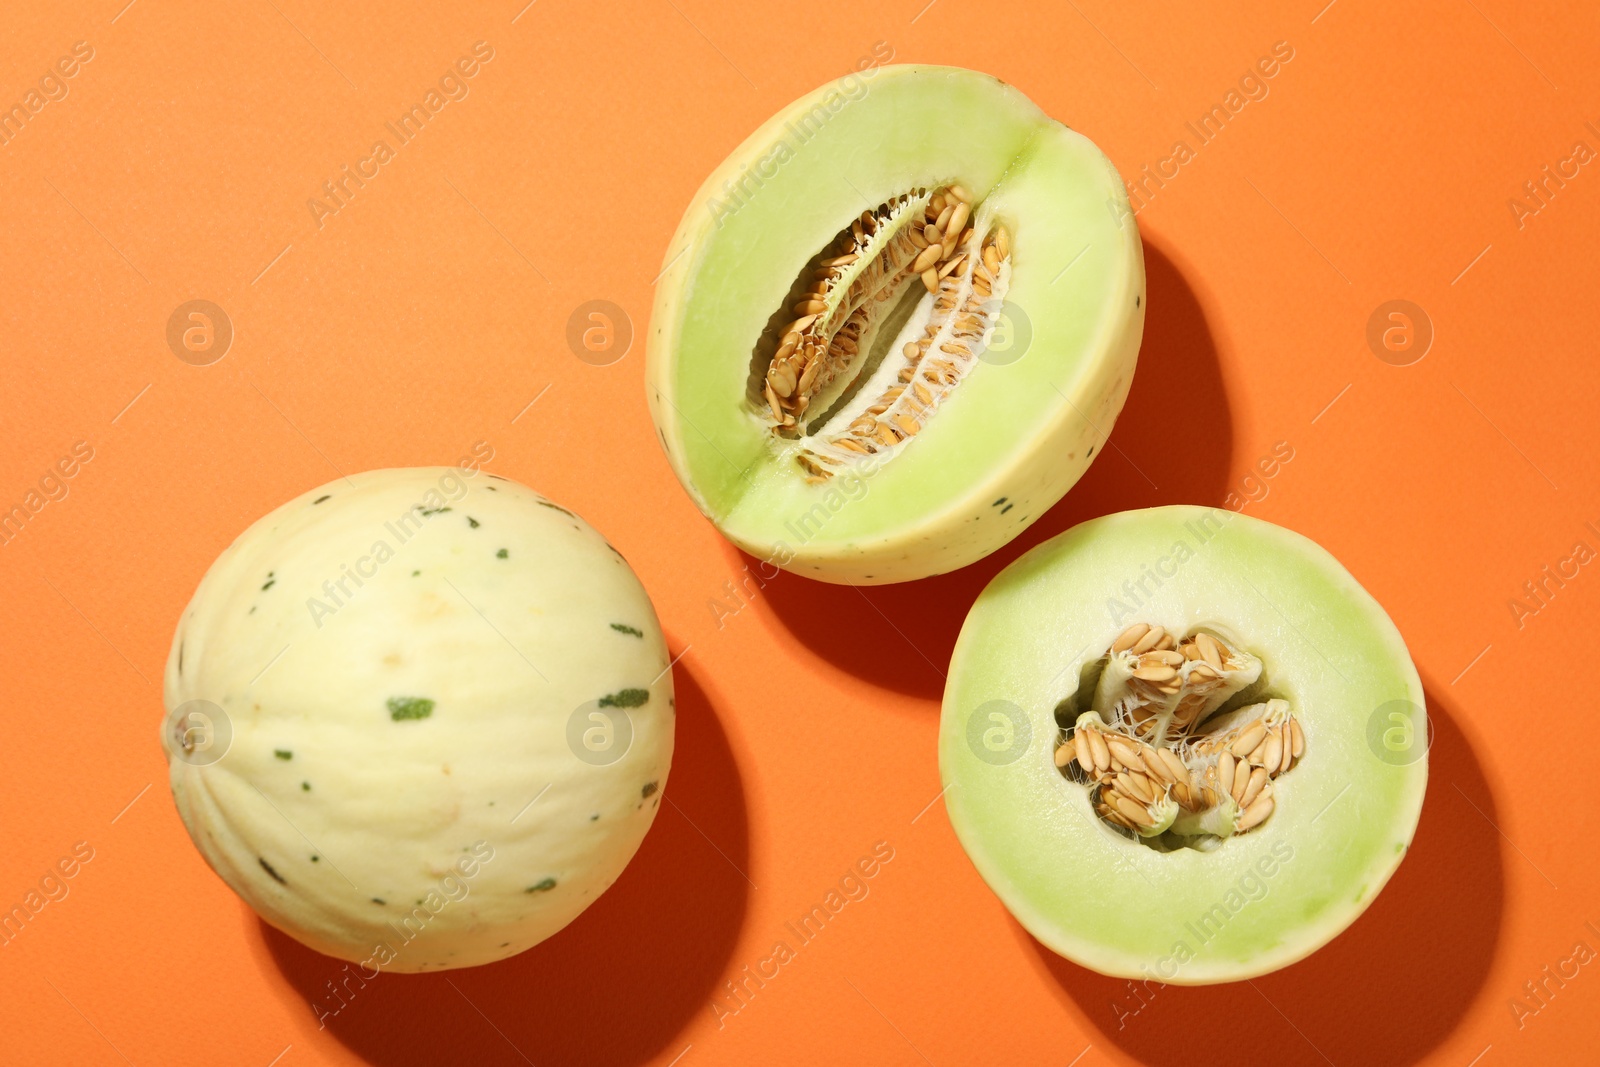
1020, 433
1345, 815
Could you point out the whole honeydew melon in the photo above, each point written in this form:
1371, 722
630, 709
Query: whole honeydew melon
419, 718
856, 401
1109, 678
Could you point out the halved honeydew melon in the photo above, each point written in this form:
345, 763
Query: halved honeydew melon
866, 461
1222, 817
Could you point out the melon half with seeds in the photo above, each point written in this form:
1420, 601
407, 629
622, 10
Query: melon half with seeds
895, 325
1182, 745
419, 718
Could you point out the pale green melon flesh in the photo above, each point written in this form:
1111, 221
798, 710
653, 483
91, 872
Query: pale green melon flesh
1022, 431
1344, 817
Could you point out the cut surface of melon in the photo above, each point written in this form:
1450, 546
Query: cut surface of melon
1242, 904
866, 463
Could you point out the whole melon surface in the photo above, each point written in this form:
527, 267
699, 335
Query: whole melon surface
419, 718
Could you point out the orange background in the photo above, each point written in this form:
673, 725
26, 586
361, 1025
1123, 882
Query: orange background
431, 309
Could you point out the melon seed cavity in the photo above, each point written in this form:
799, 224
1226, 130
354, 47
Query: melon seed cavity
833, 378
1158, 757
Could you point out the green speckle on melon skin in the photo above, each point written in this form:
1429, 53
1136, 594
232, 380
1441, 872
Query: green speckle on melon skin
403, 708
1017, 821
276, 877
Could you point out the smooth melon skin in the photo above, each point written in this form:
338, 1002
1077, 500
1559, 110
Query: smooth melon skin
1013, 438
1345, 814
381, 830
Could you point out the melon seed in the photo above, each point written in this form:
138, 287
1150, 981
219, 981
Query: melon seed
866, 269
1146, 738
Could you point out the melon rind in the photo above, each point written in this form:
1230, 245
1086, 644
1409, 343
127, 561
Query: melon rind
1020, 433
1344, 817
507, 648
